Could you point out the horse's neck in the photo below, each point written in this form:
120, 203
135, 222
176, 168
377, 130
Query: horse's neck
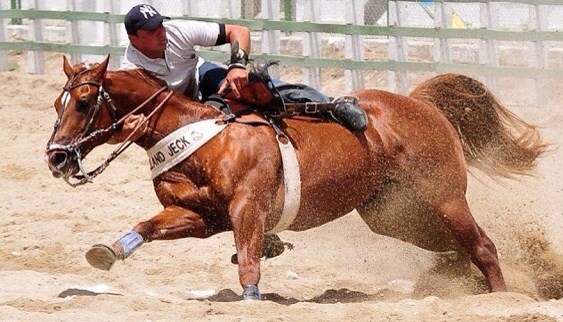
129, 92
173, 112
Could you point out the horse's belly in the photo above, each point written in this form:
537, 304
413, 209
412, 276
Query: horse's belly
328, 200
339, 171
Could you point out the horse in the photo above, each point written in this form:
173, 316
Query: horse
406, 174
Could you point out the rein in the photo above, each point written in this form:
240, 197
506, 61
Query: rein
73, 148
89, 176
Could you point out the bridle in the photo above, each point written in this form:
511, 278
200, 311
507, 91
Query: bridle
73, 149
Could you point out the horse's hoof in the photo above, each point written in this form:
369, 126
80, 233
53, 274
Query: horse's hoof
101, 257
252, 293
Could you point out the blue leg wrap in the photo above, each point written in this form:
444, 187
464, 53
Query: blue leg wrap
251, 292
131, 241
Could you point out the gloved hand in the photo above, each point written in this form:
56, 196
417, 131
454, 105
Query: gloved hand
237, 78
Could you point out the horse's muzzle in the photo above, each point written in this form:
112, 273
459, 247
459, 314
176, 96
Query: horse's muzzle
61, 162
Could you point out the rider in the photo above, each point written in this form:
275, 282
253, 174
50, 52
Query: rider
165, 48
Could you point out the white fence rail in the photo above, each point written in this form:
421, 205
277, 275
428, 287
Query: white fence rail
489, 39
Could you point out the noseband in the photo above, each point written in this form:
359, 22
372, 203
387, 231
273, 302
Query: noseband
73, 149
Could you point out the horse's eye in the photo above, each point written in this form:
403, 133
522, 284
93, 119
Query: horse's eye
82, 105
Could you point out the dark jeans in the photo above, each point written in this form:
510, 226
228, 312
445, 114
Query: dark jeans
210, 78
212, 75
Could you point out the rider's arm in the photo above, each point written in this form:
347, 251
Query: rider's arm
240, 34
239, 38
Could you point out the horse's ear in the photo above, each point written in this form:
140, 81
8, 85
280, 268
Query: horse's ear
66, 67
102, 68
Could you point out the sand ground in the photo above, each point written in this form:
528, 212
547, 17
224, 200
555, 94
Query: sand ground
337, 272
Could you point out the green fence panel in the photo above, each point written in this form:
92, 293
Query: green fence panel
294, 27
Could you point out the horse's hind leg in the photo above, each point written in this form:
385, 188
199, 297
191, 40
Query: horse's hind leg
400, 212
457, 217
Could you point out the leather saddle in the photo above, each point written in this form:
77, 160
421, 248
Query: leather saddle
285, 100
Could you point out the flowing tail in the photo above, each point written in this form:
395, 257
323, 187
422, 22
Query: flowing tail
494, 139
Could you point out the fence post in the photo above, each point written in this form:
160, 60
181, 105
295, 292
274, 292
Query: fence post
541, 20
442, 22
397, 79
488, 54
288, 10
311, 47
271, 38
353, 79
250, 9
3, 53
16, 4
72, 33
235, 9
113, 33
188, 8
36, 59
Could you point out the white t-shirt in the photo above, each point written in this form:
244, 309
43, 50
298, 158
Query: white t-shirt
179, 66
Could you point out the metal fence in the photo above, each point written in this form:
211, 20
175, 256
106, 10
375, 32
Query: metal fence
355, 43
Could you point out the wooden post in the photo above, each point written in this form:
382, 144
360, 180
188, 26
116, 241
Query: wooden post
113, 34
36, 59
72, 33
271, 38
16, 4
188, 8
353, 79
288, 10
3, 53
234, 9
398, 79
251, 8
488, 53
311, 48
541, 18
442, 19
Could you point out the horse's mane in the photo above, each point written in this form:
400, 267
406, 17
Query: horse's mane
256, 72
141, 75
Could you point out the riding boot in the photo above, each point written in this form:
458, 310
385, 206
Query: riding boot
346, 111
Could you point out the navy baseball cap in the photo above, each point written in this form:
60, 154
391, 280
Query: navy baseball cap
144, 17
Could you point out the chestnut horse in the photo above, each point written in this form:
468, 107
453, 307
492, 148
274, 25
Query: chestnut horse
406, 174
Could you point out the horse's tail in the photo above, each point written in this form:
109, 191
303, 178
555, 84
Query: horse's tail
494, 139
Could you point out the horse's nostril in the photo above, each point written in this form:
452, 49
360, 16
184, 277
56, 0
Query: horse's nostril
58, 158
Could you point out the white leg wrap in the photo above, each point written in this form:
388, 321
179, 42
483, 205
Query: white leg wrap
131, 241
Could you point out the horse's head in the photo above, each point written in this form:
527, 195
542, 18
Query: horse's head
84, 109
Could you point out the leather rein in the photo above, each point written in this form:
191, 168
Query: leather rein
74, 147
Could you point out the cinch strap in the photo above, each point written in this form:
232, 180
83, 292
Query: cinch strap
292, 184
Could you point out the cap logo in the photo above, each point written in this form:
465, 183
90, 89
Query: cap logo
147, 10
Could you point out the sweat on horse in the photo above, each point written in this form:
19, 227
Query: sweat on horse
408, 169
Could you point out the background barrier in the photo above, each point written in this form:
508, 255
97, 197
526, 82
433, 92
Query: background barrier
355, 44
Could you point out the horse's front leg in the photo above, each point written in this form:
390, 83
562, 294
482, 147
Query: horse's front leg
248, 229
171, 223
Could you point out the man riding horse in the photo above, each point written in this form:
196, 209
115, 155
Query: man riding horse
165, 48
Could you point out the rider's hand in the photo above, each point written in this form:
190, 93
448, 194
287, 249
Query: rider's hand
237, 78
129, 125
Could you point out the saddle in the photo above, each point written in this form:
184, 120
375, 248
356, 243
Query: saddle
287, 100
